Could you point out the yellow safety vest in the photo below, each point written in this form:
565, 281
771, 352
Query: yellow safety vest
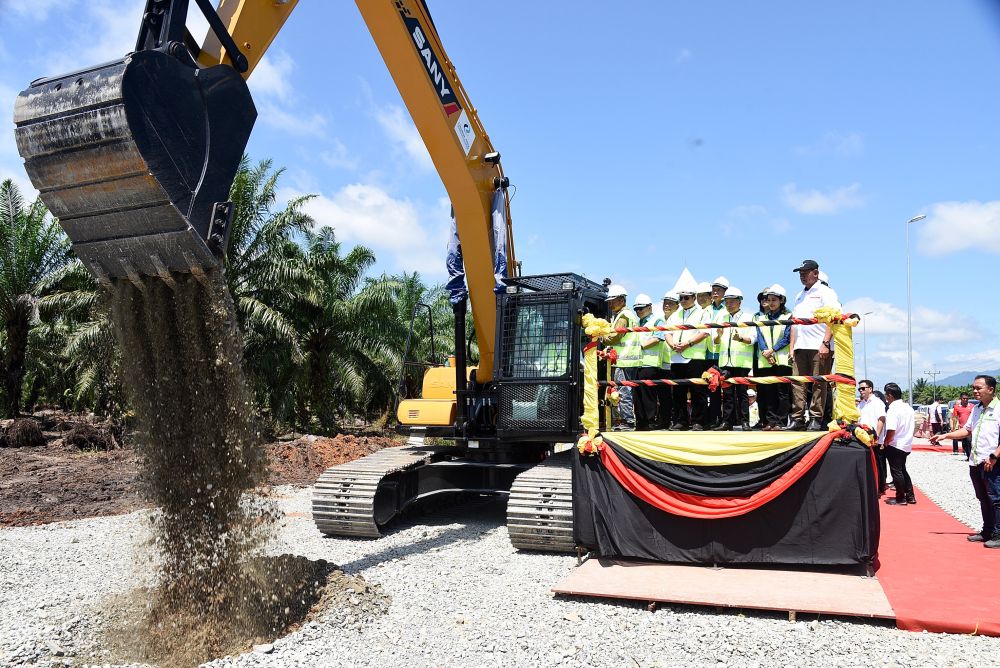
653, 355
734, 353
628, 349
694, 316
771, 334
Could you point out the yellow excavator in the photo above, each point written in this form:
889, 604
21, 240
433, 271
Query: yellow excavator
136, 158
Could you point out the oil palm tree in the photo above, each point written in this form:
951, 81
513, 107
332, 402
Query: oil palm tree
348, 329
266, 275
32, 246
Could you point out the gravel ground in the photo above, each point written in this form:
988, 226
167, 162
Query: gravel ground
460, 596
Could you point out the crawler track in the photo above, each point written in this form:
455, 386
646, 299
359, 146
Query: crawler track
344, 497
540, 507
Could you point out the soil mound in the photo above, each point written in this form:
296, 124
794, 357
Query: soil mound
87, 437
256, 613
24, 433
302, 460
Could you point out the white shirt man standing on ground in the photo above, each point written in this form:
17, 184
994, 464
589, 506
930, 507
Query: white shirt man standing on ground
935, 417
898, 444
812, 348
873, 415
984, 428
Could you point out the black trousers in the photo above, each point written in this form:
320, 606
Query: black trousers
699, 393
900, 478
647, 399
882, 467
775, 400
735, 409
665, 399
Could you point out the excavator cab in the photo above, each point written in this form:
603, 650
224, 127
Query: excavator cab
136, 157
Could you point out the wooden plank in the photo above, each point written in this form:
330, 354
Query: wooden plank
842, 592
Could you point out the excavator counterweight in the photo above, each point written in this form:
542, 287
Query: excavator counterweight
133, 156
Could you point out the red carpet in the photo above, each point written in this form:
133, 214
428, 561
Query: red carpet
934, 578
923, 445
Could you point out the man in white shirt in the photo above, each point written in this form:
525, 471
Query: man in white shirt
873, 415
812, 348
984, 428
898, 444
935, 417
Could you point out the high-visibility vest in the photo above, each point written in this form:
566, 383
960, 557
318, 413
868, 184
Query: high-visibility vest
693, 316
628, 349
732, 352
653, 355
772, 334
713, 314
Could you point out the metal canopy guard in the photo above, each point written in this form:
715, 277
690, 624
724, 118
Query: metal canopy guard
132, 156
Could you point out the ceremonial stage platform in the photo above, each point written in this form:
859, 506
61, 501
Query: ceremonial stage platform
927, 577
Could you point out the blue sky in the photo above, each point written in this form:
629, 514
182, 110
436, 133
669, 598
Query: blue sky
734, 138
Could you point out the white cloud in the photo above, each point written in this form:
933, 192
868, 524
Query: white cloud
272, 76
109, 32
294, 123
835, 143
368, 215
401, 131
36, 10
930, 326
339, 157
814, 202
752, 217
956, 226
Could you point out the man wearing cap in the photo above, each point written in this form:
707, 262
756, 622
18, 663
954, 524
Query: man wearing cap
774, 359
812, 347
646, 398
690, 348
629, 354
753, 408
735, 361
713, 312
665, 395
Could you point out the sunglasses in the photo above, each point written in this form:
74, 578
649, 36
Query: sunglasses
863, 388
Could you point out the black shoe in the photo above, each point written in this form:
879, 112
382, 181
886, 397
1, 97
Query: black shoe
895, 502
697, 427
677, 426
796, 425
723, 426
976, 538
911, 500
815, 425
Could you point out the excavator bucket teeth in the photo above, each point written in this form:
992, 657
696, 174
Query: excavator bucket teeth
131, 157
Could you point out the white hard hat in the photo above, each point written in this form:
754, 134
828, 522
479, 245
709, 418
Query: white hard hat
672, 296
642, 299
751, 392
615, 291
721, 281
703, 287
776, 289
733, 293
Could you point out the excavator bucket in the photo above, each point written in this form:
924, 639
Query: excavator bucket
133, 158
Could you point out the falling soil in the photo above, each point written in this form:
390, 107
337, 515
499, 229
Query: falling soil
199, 460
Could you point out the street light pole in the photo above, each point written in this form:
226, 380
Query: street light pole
864, 338
933, 375
909, 310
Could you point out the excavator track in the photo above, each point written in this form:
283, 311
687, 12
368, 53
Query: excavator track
344, 499
540, 507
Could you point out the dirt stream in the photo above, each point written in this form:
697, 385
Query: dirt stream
199, 460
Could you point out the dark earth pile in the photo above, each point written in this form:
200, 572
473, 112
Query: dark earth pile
24, 433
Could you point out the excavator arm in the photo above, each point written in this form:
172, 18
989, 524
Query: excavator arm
136, 157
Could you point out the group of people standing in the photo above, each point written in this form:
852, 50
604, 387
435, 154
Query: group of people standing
767, 350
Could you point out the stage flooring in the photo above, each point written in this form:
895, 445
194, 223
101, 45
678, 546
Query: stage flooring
927, 577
